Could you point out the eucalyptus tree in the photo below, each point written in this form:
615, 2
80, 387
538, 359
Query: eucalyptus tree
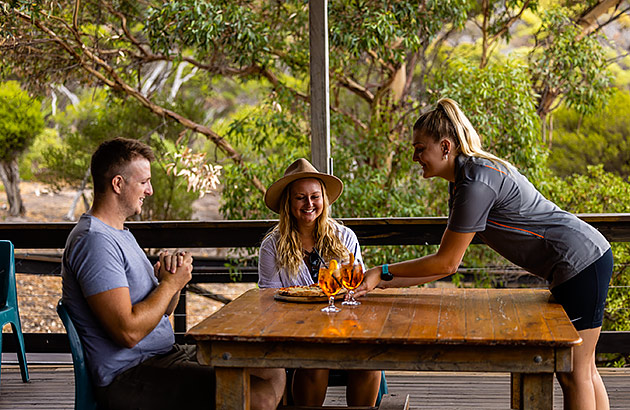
386, 60
21, 121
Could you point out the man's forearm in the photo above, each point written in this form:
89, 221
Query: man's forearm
171, 306
127, 324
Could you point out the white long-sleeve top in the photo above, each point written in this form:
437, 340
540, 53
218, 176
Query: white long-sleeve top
272, 276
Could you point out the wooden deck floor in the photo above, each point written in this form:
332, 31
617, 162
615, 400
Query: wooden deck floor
52, 388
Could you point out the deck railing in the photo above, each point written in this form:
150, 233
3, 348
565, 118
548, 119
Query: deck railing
30, 238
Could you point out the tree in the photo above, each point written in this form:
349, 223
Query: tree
98, 116
567, 66
21, 121
379, 62
599, 138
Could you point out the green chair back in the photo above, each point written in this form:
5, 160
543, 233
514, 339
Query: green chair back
9, 312
83, 391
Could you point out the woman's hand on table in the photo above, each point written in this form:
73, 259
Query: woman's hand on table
371, 280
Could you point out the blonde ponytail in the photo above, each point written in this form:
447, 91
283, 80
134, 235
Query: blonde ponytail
447, 120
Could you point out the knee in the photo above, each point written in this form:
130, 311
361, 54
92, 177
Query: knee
369, 377
267, 387
313, 376
573, 379
263, 402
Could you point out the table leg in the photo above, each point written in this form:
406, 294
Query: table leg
516, 391
232, 388
532, 391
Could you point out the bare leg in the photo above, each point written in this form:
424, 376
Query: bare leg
363, 387
583, 388
267, 388
309, 386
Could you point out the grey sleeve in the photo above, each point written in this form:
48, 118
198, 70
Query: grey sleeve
472, 202
268, 273
98, 264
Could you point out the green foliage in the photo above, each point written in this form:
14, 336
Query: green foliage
501, 106
235, 29
21, 120
597, 138
565, 62
170, 199
31, 162
100, 117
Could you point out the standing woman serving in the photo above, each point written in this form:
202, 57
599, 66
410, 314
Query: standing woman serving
490, 198
288, 257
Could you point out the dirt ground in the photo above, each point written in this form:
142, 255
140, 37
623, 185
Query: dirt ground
38, 295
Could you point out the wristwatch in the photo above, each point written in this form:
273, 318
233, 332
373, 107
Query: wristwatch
385, 274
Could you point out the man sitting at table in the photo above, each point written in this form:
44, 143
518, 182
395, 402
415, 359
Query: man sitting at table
120, 304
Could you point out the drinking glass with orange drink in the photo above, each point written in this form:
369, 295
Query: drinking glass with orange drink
330, 283
351, 278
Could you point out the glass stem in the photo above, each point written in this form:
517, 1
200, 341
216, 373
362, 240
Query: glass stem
331, 301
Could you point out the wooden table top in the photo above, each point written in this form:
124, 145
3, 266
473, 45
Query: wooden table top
397, 316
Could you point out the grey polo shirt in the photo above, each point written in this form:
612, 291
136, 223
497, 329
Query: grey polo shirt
514, 219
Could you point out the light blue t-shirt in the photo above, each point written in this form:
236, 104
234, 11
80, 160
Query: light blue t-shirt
98, 258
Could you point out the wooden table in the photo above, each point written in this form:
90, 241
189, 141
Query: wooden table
495, 330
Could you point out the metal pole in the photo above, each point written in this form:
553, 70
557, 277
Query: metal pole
320, 115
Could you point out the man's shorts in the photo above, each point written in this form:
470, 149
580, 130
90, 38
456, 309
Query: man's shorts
583, 296
174, 380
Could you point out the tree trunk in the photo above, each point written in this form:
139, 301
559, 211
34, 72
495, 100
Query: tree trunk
80, 194
11, 179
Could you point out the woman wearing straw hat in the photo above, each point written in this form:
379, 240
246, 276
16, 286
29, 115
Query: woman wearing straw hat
289, 257
490, 198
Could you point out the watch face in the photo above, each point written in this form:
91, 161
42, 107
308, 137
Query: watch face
385, 274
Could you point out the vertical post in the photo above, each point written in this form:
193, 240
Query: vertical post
320, 116
180, 317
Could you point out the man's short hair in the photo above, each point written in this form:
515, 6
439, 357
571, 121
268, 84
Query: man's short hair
111, 158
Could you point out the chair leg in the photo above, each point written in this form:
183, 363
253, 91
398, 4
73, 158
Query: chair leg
382, 389
21, 351
1, 335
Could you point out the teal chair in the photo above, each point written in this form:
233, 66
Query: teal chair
83, 393
8, 303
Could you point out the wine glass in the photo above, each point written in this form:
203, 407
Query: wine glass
330, 283
351, 278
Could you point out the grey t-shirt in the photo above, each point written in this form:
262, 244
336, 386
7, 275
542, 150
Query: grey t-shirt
515, 220
98, 258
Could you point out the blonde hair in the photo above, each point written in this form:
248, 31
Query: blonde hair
447, 120
289, 252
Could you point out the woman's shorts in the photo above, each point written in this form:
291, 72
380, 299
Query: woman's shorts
583, 296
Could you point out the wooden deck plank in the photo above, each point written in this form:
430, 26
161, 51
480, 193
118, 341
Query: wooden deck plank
52, 388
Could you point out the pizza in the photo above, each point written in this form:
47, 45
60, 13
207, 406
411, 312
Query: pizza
311, 291
302, 291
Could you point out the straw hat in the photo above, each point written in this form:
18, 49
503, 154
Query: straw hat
298, 170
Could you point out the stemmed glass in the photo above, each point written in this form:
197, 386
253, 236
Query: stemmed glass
330, 283
351, 278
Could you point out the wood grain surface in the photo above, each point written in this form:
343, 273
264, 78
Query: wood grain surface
409, 316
